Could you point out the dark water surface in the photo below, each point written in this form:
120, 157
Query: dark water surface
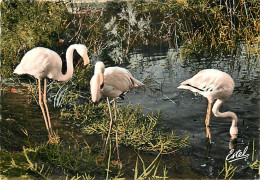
181, 110
185, 112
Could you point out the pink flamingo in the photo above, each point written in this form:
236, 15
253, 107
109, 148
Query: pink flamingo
213, 84
111, 82
43, 63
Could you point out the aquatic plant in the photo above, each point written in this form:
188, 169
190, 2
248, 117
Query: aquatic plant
147, 171
26, 24
69, 161
139, 131
255, 164
135, 129
45, 160
228, 171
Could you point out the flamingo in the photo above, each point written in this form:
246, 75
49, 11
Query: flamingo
111, 82
43, 63
213, 84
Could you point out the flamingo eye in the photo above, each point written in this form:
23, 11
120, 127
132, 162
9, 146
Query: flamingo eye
101, 86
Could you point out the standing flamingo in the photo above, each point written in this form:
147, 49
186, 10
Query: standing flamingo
213, 84
44, 63
111, 82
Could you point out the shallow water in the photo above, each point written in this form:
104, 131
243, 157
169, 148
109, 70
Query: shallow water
185, 112
22, 122
182, 111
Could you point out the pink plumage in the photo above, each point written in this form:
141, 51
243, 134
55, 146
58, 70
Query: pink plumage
114, 81
43, 63
111, 82
213, 84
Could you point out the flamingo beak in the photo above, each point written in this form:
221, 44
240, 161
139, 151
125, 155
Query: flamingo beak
86, 60
85, 66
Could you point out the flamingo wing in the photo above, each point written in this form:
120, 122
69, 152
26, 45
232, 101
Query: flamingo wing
40, 62
211, 83
118, 80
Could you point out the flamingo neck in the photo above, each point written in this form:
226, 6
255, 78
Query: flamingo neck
233, 129
216, 112
69, 60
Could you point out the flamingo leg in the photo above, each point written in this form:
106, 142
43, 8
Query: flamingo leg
42, 108
118, 159
208, 134
46, 107
207, 121
110, 126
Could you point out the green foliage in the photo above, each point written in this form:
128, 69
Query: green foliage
43, 161
135, 129
26, 25
203, 28
147, 171
227, 172
255, 165
200, 28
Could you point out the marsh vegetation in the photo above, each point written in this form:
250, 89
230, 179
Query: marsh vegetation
115, 32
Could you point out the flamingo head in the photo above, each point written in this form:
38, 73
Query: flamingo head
97, 81
83, 52
233, 132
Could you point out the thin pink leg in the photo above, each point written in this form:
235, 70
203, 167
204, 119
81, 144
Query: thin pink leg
42, 108
118, 158
207, 121
46, 107
110, 126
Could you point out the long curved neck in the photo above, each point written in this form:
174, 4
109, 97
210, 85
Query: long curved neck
69, 60
216, 112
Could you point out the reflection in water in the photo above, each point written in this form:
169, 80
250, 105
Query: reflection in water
186, 115
208, 134
232, 143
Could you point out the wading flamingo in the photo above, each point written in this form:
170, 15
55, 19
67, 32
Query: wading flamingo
43, 63
213, 84
111, 82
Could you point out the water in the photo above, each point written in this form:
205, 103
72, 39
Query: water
22, 123
185, 112
182, 111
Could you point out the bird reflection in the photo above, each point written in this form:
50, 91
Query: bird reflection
232, 143
208, 134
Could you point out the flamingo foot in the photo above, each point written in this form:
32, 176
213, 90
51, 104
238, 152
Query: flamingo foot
116, 163
54, 139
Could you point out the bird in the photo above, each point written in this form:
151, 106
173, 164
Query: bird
111, 82
43, 63
216, 85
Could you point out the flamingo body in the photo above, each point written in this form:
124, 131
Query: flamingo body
111, 82
43, 63
40, 62
213, 84
210, 83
